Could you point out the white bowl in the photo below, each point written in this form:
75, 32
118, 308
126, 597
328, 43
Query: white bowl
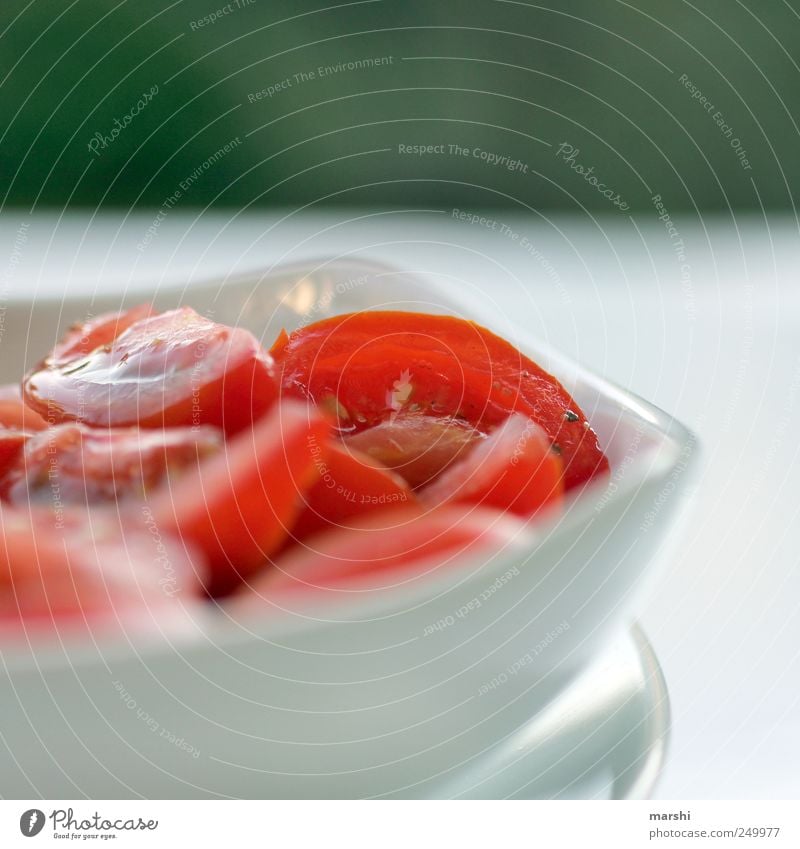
389, 694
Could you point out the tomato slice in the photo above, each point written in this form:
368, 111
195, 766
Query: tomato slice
84, 337
74, 464
368, 366
514, 469
350, 484
14, 413
239, 506
169, 370
87, 570
415, 446
12, 441
384, 549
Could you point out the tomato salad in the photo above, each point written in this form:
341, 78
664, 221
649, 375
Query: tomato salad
150, 461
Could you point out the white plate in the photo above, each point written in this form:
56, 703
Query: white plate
365, 698
604, 737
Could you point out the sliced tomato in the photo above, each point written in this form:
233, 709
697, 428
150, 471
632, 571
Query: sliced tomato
514, 469
74, 464
416, 446
350, 484
384, 549
14, 413
239, 506
86, 336
169, 370
368, 366
12, 441
86, 570
10, 392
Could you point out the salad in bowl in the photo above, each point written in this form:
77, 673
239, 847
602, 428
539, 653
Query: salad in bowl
342, 551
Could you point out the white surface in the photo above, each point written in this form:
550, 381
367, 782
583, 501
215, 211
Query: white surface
721, 353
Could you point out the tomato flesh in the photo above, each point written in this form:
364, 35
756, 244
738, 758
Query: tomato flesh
88, 570
169, 370
415, 446
350, 484
15, 414
368, 366
12, 442
383, 549
84, 337
416, 440
80, 465
514, 469
239, 506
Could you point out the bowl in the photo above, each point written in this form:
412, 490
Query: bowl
386, 694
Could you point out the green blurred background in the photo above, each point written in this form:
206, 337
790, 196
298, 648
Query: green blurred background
513, 79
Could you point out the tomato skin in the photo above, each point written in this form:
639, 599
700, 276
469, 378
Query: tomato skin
356, 364
381, 550
84, 337
15, 414
12, 442
350, 484
513, 469
238, 507
169, 370
82, 465
86, 570
415, 446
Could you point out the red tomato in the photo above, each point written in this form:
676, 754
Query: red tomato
367, 366
415, 446
11, 445
239, 506
85, 570
350, 484
170, 370
14, 413
514, 469
381, 550
74, 464
84, 337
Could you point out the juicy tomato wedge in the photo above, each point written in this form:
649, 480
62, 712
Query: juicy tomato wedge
381, 550
239, 506
415, 446
86, 570
12, 442
15, 414
84, 337
74, 464
350, 484
514, 469
366, 366
169, 370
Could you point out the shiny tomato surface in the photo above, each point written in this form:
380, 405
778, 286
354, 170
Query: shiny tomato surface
81, 465
350, 484
238, 507
168, 370
12, 441
417, 447
514, 469
383, 550
366, 367
15, 414
362, 452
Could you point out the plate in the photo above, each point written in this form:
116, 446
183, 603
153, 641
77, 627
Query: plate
605, 737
